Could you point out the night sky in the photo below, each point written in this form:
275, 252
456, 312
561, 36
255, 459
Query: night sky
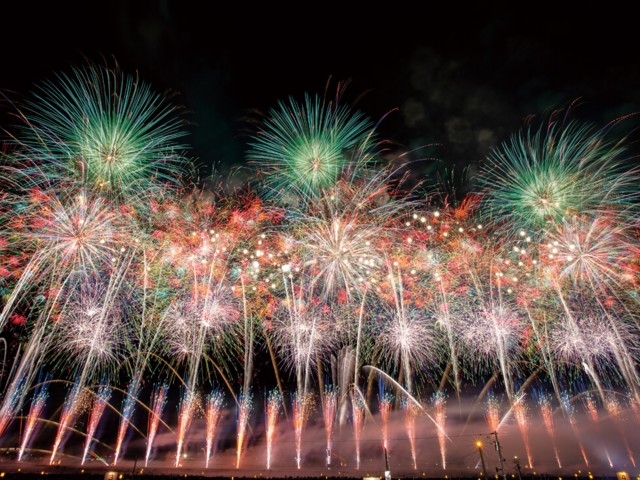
447, 80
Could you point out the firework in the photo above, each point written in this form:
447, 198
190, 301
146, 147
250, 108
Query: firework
329, 270
302, 148
70, 410
561, 168
187, 409
98, 405
274, 403
357, 412
37, 406
245, 408
385, 408
329, 405
157, 406
438, 403
105, 130
546, 413
126, 413
410, 413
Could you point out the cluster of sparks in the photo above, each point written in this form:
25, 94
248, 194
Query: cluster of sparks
116, 265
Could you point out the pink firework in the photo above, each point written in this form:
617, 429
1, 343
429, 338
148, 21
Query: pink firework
274, 404
591, 407
37, 405
213, 415
492, 412
70, 411
302, 405
329, 410
159, 399
546, 412
521, 413
439, 403
411, 411
187, 409
95, 414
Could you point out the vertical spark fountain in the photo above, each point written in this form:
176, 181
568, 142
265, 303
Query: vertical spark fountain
70, 411
492, 412
385, 399
329, 411
186, 410
98, 404
245, 407
613, 407
410, 414
301, 407
357, 410
438, 403
37, 405
128, 406
213, 414
520, 411
546, 412
272, 407
158, 402
569, 410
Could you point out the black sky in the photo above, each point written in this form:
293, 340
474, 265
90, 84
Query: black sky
460, 75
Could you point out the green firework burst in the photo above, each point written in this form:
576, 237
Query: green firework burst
542, 176
302, 149
106, 130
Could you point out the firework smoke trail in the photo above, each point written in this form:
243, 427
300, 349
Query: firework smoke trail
546, 412
158, 402
37, 405
569, 410
213, 414
98, 404
245, 408
357, 410
492, 412
520, 411
273, 406
438, 403
384, 401
128, 406
329, 411
70, 410
187, 408
410, 414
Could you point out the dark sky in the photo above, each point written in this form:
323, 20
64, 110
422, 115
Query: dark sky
462, 75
